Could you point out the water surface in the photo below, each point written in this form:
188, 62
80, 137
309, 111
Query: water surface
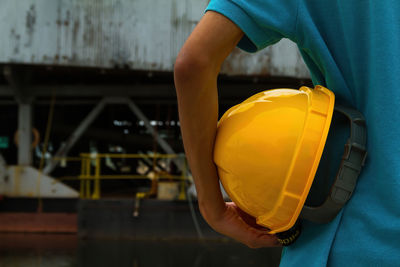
68, 250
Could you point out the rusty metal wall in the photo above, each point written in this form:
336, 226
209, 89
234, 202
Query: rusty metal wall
134, 34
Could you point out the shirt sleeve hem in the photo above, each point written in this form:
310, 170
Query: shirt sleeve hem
251, 42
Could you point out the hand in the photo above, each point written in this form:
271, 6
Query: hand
242, 227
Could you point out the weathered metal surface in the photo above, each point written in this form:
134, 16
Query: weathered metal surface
25, 181
133, 34
281, 59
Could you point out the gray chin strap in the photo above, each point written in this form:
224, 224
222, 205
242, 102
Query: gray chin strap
350, 167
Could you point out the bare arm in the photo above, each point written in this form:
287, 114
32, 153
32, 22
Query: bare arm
196, 70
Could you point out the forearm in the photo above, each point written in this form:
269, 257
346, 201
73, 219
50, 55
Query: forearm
196, 70
198, 114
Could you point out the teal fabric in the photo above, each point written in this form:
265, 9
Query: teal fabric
353, 48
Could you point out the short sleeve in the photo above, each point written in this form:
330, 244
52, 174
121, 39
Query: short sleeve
264, 22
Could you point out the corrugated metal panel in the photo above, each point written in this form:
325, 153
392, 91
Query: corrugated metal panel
134, 34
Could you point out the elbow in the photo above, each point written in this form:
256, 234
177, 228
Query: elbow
190, 67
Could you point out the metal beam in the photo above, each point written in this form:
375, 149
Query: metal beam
226, 89
6, 90
64, 149
166, 90
62, 152
19, 77
133, 140
140, 115
163, 144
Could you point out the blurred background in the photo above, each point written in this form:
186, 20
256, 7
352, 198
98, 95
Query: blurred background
92, 167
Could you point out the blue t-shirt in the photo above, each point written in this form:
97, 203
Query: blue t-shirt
352, 48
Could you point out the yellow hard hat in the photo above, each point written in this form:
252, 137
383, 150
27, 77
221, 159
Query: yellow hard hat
267, 151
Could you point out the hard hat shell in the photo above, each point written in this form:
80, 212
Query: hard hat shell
267, 151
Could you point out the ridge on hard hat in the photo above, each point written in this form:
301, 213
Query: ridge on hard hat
267, 151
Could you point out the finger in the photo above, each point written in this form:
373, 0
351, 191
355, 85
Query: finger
263, 241
258, 238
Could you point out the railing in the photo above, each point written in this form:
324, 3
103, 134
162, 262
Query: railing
91, 173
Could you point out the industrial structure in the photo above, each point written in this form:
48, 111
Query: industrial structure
88, 108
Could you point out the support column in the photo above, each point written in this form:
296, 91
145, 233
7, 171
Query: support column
19, 78
24, 134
